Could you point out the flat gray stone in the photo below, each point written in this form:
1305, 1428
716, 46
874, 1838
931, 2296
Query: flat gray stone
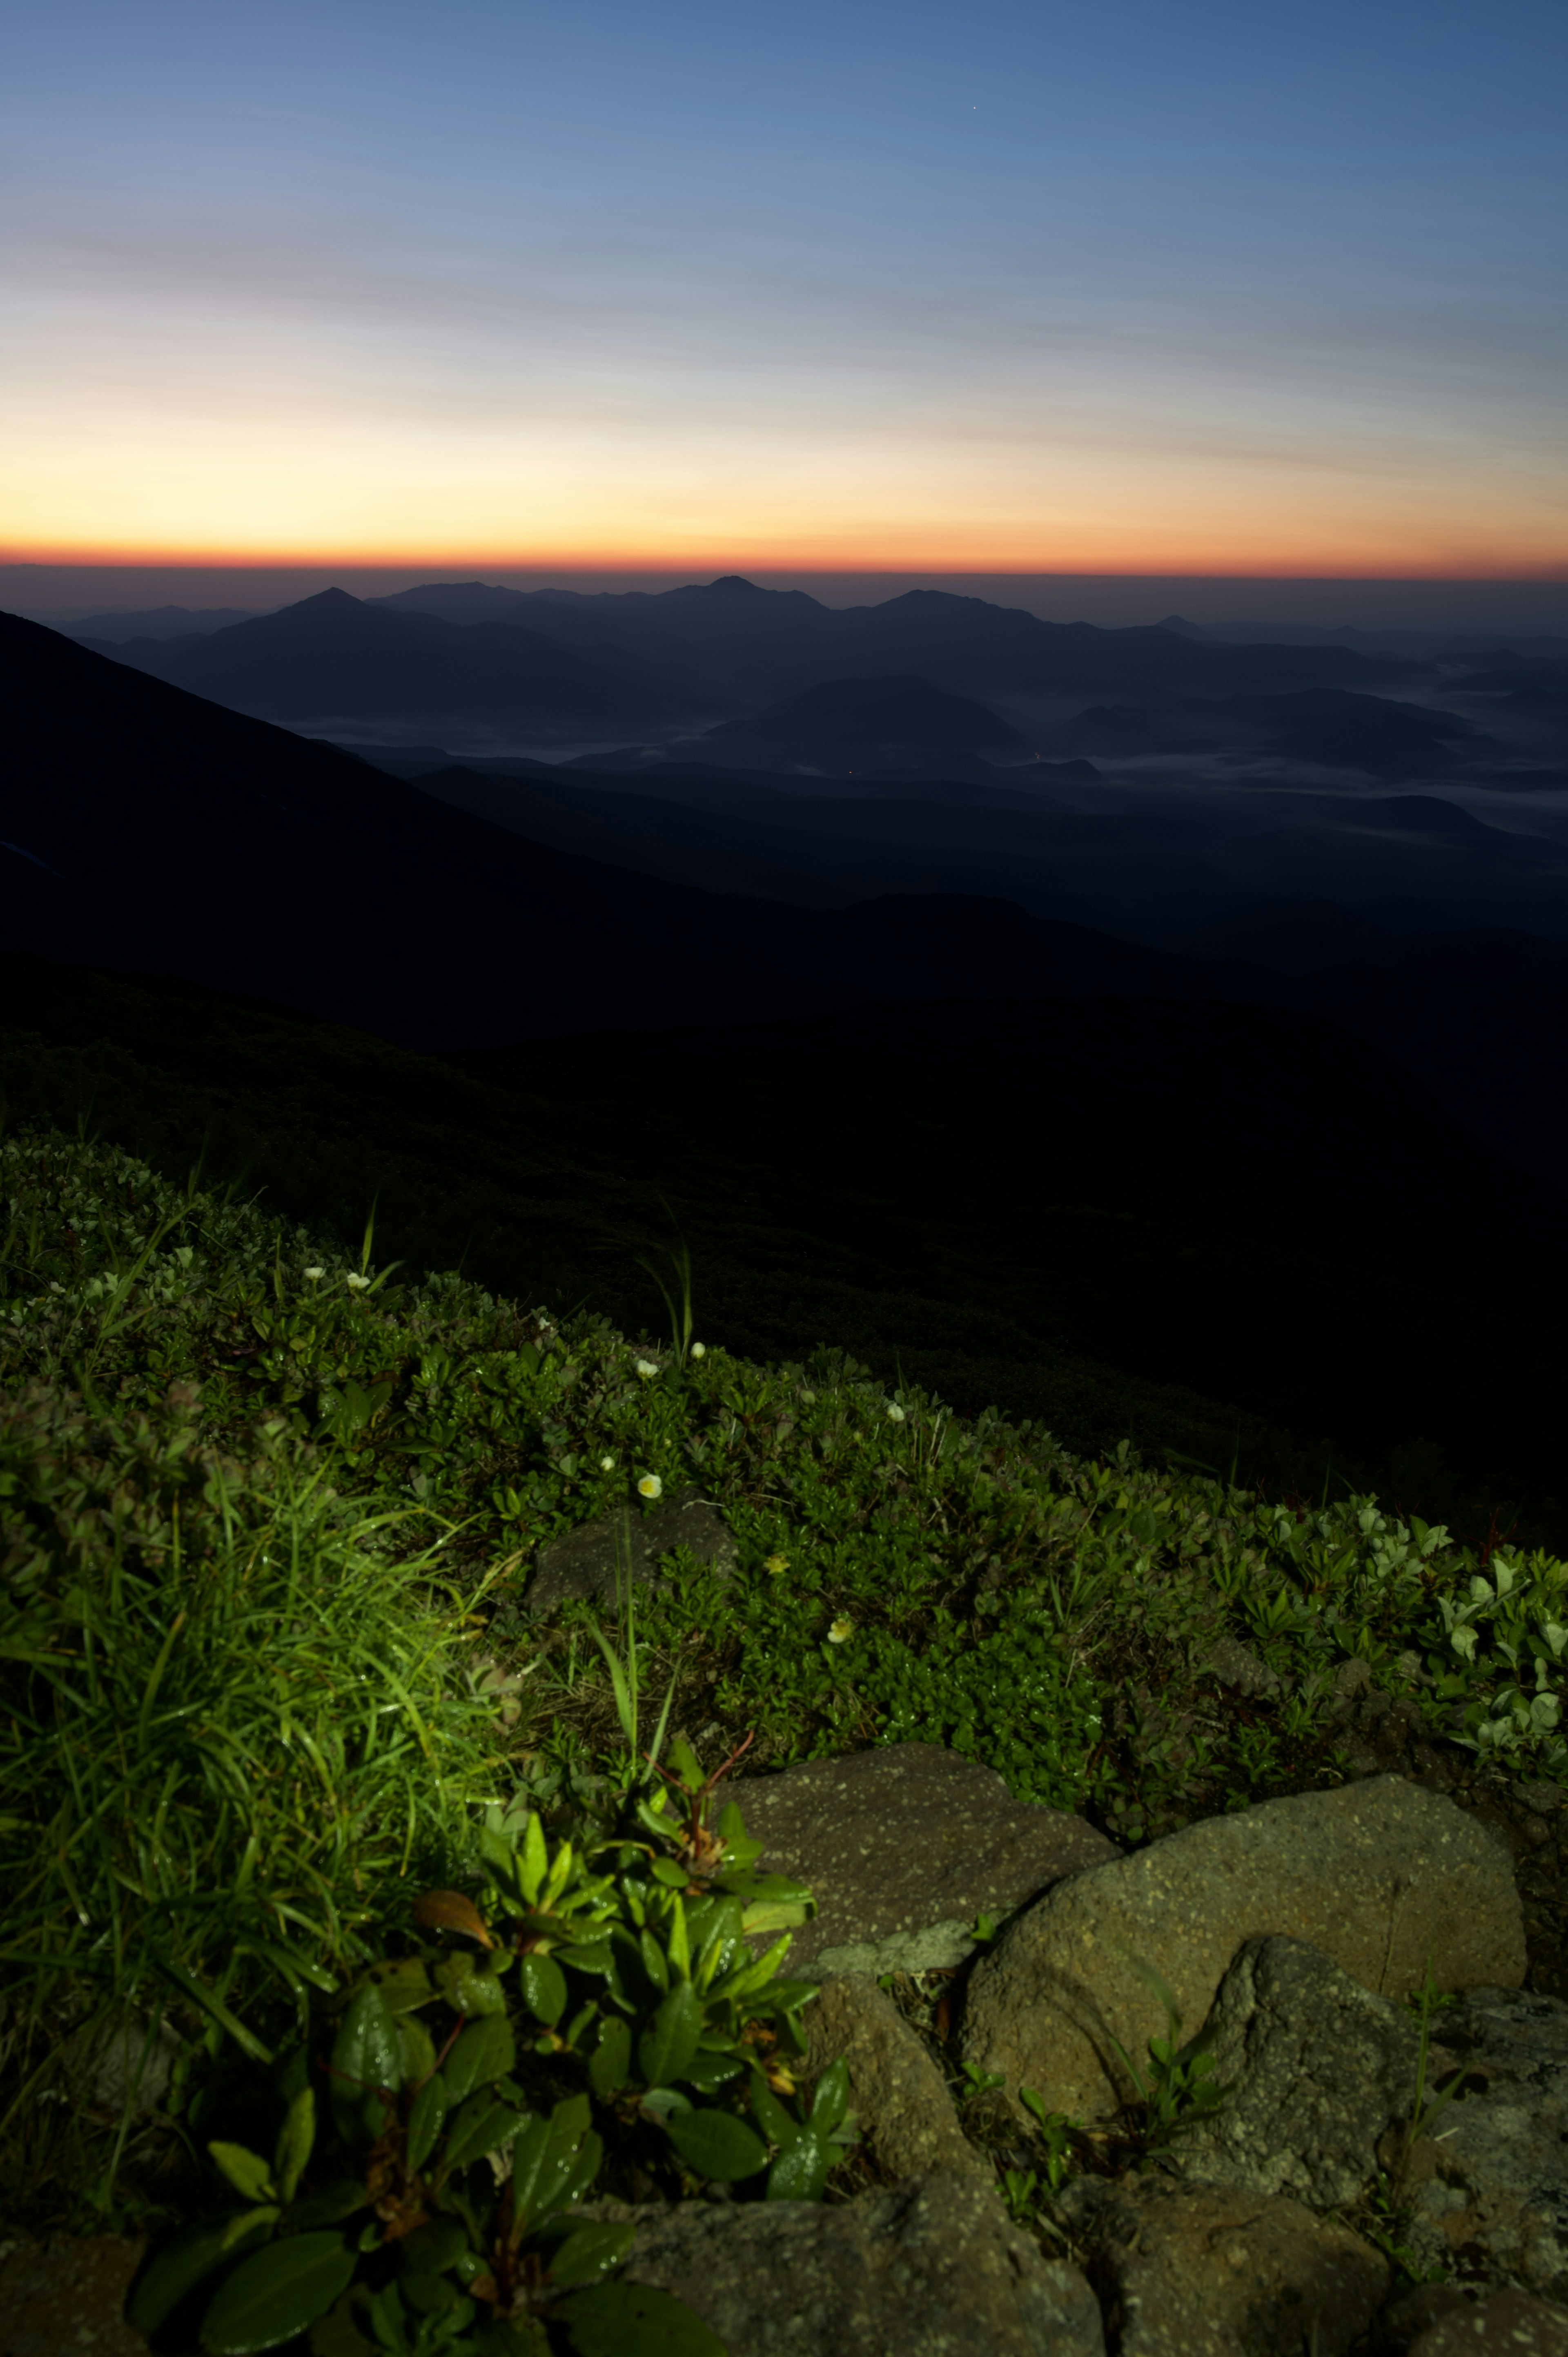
931, 2268
902, 1847
585, 1565
1316, 2069
1379, 1875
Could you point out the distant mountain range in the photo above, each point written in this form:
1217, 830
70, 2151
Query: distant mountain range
335, 659
548, 664
144, 829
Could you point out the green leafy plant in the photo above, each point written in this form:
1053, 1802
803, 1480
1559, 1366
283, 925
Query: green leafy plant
1176, 2090
607, 2020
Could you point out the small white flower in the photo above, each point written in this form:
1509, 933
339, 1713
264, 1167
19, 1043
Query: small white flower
650, 1486
841, 1632
313, 1272
895, 1413
358, 1283
645, 1367
699, 1350
606, 1465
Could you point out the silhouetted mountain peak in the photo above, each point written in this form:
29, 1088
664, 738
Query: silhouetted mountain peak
735, 581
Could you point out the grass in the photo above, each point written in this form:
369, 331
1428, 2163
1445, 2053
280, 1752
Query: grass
265, 1515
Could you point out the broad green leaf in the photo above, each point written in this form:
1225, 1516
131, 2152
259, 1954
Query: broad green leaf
666, 1870
707, 2070
779, 2126
338, 2334
471, 1985
427, 2120
800, 2174
715, 2144
654, 1962
749, 1978
251, 2223
831, 2101
609, 2066
559, 1876
614, 2319
277, 2293
481, 2124
333, 2203
177, 2270
680, 1940
247, 2172
404, 1982
544, 1987
430, 2250
365, 2058
665, 2049
416, 2048
486, 2050
545, 2158
589, 2253
586, 1956
434, 2295
740, 1850
297, 2141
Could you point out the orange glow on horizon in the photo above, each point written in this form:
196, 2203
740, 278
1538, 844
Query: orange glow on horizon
1171, 560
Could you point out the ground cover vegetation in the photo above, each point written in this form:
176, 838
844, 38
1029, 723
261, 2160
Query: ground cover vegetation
298, 1801
1113, 1229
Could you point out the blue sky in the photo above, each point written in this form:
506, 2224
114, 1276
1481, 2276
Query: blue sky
1123, 288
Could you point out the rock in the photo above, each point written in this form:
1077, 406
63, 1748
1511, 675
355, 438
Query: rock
65, 2297
131, 2061
1463, 2320
585, 1563
1496, 2190
1236, 1665
1316, 2069
907, 2122
1378, 1875
902, 1847
1194, 2271
931, 2268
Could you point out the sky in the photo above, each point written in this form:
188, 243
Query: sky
986, 287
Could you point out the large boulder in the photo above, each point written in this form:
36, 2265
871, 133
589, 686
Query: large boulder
1199, 2271
1314, 2068
931, 2268
1493, 2179
906, 2116
1380, 1876
1471, 2320
902, 1847
63, 2296
585, 1565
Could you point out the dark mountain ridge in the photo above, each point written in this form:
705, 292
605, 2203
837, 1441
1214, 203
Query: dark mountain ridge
760, 644
333, 656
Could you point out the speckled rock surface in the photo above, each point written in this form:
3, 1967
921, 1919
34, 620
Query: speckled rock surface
1495, 2186
903, 1846
908, 2122
63, 2298
1378, 1875
1316, 2069
1466, 2320
1195, 2271
584, 1564
931, 2268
